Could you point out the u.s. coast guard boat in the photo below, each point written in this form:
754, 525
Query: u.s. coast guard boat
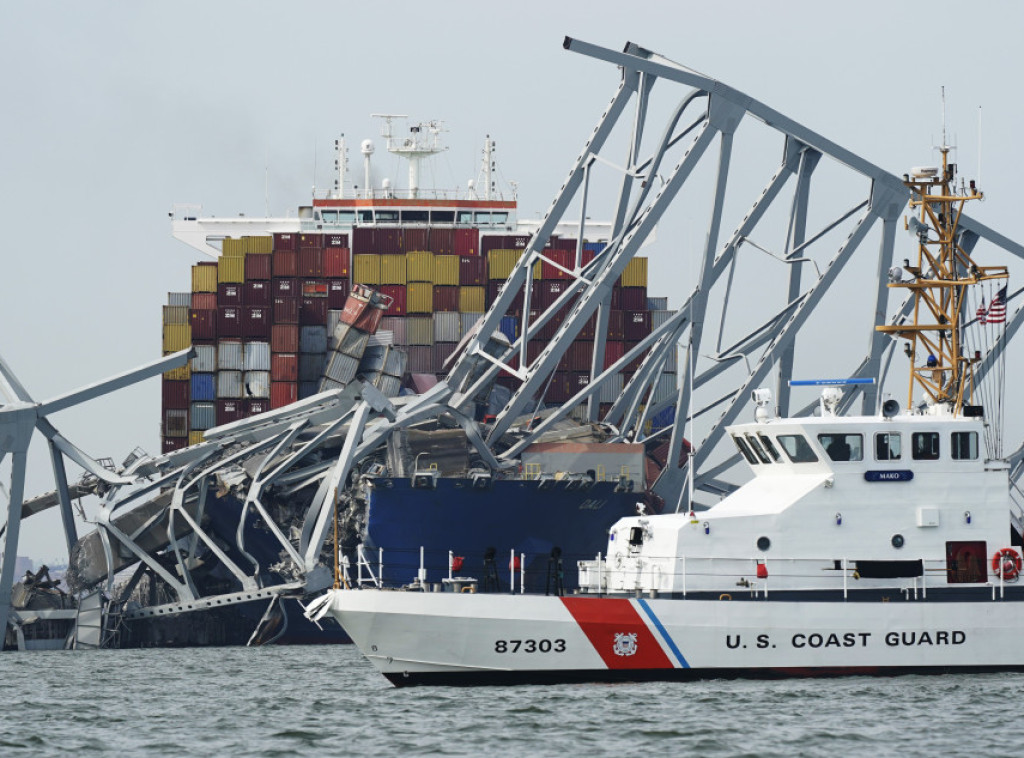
872, 544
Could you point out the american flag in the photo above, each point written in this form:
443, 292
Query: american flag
997, 310
982, 312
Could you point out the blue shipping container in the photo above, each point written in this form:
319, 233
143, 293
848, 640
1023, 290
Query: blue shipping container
204, 387
509, 327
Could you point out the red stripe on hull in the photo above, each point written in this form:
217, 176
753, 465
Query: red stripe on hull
608, 622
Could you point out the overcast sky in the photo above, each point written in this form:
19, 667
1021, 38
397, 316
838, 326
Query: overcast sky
114, 112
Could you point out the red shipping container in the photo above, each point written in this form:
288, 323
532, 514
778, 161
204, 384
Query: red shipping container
578, 381
313, 311
284, 367
230, 294
561, 243
285, 241
204, 323
229, 321
588, 256
285, 263
337, 293
284, 288
257, 293
170, 444
442, 351
283, 393
175, 394
314, 288
311, 262
613, 350
230, 410
564, 258
446, 299
616, 300
634, 365
578, 356
359, 313
558, 389
204, 301
472, 271
286, 310
503, 242
467, 242
616, 325
363, 241
442, 241
335, 240
416, 240
633, 298
494, 289
258, 406
256, 322
311, 241
397, 293
336, 262
636, 324
547, 292
284, 338
589, 330
388, 240
533, 349
257, 267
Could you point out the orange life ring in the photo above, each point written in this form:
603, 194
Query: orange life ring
1006, 564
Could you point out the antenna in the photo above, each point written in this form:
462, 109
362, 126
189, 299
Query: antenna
266, 183
943, 90
979, 148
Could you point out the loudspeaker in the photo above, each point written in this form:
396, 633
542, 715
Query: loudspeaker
890, 408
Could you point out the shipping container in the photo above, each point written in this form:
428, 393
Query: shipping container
204, 277
392, 269
446, 270
442, 351
611, 390
337, 293
558, 388
175, 314
257, 245
313, 287
390, 386
336, 262
256, 384
362, 241
635, 273
494, 289
565, 259
284, 338
256, 356
204, 301
180, 299
472, 271
203, 387
578, 356
195, 438
658, 318
176, 422
313, 339
170, 444
503, 241
229, 321
666, 388
311, 240
416, 239
287, 287
285, 264
373, 359
284, 367
419, 298
341, 368
616, 325
311, 262
501, 262
285, 241
230, 410
282, 394
578, 381
633, 298
257, 294
446, 298
672, 361
230, 293
510, 327
442, 240
472, 299
397, 293
313, 311
634, 364
447, 326
657, 303
420, 267
308, 389
420, 330
230, 269
349, 340
364, 308
613, 350
636, 324
335, 241
467, 242
396, 362
258, 267
232, 248
589, 330
256, 323
468, 321
397, 326
311, 366
387, 240
180, 374
175, 393
286, 310
205, 358
230, 355
258, 406
229, 384
421, 359
177, 337
202, 416
366, 269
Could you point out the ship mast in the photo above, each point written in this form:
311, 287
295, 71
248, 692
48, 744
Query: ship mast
938, 282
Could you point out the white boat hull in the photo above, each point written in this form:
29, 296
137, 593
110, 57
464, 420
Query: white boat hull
474, 639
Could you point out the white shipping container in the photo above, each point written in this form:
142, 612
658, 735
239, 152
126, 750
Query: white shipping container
381, 337
180, 299
389, 385
229, 384
469, 321
666, 388
203, 416
257, 384
257, 357
396, 362
333, 319
611, 390
205, 359
420, 330
373, 359
397, 326
341, 368
447, 326
660, 317
230, 356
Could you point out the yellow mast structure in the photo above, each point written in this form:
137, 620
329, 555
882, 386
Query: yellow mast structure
938, 284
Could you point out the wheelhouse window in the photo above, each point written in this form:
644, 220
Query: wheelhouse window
442, 217
366, 217
499, 218
482, 218
925, 446
745, 450
766, 441
888, 446
465, 217
965, 446
415, 217
842, 447
797, 448
758, 450
387, 216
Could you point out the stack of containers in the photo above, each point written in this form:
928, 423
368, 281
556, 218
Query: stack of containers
175, 394
359, 319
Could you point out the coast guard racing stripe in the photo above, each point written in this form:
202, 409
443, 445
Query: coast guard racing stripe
618, 633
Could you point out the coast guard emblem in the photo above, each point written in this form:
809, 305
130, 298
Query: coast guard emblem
625, 644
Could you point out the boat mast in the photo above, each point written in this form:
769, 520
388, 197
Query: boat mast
938, 283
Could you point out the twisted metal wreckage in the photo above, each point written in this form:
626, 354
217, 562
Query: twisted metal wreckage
169, 518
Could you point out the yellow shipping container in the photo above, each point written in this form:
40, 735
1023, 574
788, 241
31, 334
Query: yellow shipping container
472, 299
421, 267
635, 274
180, 374
446, 270
501, 262
257, 245
194, 438
177, 337
175, 314
231, 269
233, 248
204, 278
419, 298
366, 269
392, 269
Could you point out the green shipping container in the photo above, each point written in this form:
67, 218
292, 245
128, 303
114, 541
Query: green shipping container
366, 269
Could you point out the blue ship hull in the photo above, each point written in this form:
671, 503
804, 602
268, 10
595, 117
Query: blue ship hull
508, 515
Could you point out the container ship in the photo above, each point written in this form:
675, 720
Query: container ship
290, 323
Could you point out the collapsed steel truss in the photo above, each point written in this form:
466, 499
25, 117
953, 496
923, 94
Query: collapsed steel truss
319, 442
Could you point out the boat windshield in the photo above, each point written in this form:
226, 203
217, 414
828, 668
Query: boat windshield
745, 450
767, 442
797, 448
